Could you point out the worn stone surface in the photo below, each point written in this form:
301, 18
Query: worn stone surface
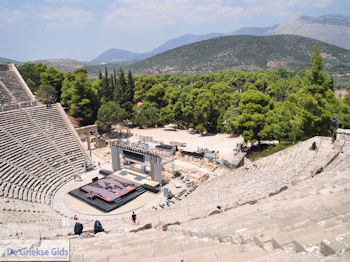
337, 245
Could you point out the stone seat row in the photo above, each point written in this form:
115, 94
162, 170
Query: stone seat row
41, 147
26, 146
13, 84
65, 142
22, 184
5, 98
246, 184
18, 211
60, 134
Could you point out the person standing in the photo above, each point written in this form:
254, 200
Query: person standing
133, 218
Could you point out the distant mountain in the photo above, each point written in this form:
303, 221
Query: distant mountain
4, 60
183, 40
332, 29
243, 53
257, 31
122, 56
115, 55
331, 19
64, 65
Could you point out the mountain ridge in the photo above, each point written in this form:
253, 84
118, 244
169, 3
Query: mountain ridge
249, 53
121, 55
331, 28
3, 60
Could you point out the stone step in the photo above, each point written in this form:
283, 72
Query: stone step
337, 245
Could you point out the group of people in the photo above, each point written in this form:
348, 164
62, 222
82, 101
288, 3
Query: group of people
78, 228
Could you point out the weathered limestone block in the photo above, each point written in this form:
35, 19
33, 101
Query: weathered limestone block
338, 245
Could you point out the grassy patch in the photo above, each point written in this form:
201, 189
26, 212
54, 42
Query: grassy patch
264, 150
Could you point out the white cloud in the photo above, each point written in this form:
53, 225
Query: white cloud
10, 16
280, 8
46, 17
290, 3
139, 14
322, 3
63, 1
63, 18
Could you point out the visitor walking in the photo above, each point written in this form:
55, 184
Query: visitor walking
133, 218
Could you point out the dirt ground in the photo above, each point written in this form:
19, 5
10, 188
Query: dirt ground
224, 143
341, 93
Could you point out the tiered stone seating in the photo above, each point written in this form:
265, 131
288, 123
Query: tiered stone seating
20, 219
38, 153
52, 123
13, 84
150, 245
295, 221
250, 183
5, 98
294, 225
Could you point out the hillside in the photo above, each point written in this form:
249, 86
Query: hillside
333, 29
4, 60
243, 53
64, 65
183, 40
115, 55
257, 31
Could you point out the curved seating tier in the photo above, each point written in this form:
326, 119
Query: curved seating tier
38, 153
52, 123
14, 85
258, 180
5, 97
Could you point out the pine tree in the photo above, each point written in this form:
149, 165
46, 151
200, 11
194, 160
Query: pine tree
100, 74
317, 76
131, 86
120, 91
107, 87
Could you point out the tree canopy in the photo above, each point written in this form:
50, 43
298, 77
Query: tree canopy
280, 104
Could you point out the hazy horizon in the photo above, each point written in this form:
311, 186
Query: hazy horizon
82, 30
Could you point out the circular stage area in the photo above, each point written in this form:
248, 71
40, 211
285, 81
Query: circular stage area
69, 205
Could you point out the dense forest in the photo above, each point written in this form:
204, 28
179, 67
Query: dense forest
282, 104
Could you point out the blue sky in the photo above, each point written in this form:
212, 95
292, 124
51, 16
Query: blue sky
82, 29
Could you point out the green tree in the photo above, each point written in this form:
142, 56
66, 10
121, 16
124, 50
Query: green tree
167, 115
124, 91
284, 122
146, 115
109, 114
80, 97
47, 92
53, 78
129, 94
316, 111
107, 89
345, 112
231, 114
254, 106
67, 89
316, 75
32, 71
142, 85
156, 94
31, 84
